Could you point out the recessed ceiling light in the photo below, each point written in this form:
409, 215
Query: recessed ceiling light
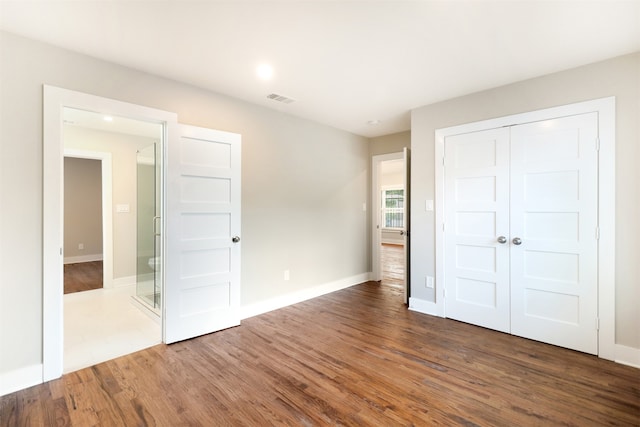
265, 71
107, 118
373, 122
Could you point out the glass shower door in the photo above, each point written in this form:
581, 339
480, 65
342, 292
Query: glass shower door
148, 265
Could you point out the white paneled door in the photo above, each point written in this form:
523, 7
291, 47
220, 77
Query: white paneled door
554, 216
521, 230
476, 228
202, 289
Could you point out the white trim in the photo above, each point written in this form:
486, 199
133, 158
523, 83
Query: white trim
376, 229
607, 226
425, 307
20, 379
282, 301
119, 282
627, 355
54, 100
107, 207
82, 258
605, 107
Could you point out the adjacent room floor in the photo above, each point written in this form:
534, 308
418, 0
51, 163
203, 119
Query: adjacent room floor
393, 265
102, 324
82, 276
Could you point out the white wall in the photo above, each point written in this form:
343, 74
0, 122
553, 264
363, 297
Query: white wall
303, 185
619, 77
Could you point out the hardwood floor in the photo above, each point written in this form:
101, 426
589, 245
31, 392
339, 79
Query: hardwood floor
392, 262
356, 357
82, 276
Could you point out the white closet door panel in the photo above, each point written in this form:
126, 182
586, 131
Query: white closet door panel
554, 179
477, 212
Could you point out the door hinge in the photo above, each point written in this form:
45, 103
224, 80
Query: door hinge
444, 292
597, 144
597, 233
443, 161
444, 226
597, 323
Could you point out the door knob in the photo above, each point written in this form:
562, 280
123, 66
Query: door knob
235, 239
502, 239
517, 241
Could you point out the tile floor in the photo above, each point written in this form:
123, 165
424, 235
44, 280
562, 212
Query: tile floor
103, 324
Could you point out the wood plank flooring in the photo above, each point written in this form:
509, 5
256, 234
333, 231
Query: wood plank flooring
82, 276
356, 357
392, 262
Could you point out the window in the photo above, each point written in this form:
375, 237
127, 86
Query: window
393, 208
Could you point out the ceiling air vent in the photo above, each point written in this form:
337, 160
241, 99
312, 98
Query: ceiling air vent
280, 98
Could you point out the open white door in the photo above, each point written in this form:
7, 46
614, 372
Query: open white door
406, 157
202, 229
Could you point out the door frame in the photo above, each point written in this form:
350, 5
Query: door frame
605, 107
376, 230
107, 212
54, 101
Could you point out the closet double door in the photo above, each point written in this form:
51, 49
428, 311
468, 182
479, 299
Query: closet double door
521, 225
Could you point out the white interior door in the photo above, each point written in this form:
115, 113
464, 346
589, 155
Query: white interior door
202, 266
477, 228
406, 155
554, 205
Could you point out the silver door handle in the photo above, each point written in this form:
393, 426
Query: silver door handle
502, 240
517, 241
235, 239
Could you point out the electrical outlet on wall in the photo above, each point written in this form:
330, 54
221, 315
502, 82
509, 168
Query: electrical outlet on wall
286, 275
80, 246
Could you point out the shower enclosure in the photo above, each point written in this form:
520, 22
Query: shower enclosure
149, 264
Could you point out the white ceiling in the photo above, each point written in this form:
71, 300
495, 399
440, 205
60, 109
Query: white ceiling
344, 62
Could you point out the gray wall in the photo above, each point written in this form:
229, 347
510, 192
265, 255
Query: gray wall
83, 207
123, 150
303, 184
618, 77
393, 143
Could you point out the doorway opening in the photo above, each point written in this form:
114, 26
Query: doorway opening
83, 229
390, 220
122, 315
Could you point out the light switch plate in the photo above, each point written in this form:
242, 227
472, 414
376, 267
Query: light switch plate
428, 206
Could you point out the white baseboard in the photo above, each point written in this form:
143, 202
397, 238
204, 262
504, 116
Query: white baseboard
425, 307
123, 281
282, 301
20, 379
82, 258
628, 355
